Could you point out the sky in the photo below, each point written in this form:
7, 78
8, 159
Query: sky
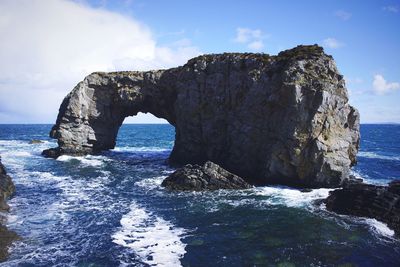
48, 46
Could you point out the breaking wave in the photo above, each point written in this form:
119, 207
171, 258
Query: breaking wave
156, 241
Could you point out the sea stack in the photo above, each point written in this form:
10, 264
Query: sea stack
281, 119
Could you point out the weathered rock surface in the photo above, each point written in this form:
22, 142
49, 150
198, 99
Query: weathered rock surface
7, 237
365, 200
270, 119
7, 188
210, 176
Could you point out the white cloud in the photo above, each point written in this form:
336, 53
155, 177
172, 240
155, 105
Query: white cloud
256, 45
381, 86
343, 15
48, 46
252, 38
332, 43
393, 9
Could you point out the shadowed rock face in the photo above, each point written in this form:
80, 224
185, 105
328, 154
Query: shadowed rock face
7, 188
270, 119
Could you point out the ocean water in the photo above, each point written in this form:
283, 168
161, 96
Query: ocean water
110, 210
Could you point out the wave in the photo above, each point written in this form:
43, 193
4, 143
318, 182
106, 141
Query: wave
368, 180
141, 149
156, 241
18, 153
275, 196
89, 160
379, 228
151, 183
373, 155
291, 197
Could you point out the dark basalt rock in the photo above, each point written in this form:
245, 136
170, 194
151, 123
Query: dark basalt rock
7, 187
379, 202
210, 176
51, 153
7, 237
281, 119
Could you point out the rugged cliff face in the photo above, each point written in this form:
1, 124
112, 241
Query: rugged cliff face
7, 188
270, 119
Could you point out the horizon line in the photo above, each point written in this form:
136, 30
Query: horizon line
158, 123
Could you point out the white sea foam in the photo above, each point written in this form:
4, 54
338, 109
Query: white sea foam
366, 179
20, 154
140, 149
156, 241
151, 183
89, 160
379, 228
292, 197
373, 155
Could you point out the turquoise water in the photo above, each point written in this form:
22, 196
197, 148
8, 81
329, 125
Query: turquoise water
110, 210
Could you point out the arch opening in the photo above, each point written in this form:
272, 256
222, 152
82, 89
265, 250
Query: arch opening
145, 132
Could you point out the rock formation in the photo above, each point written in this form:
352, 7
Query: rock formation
270, 119
7, 188
210, 176
366, 200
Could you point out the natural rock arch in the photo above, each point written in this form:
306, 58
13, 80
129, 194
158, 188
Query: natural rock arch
270, 119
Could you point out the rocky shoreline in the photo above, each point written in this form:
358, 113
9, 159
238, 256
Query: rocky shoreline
7, 188
365, 200
354, 198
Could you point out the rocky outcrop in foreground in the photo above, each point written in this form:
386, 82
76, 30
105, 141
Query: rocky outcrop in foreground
365, 200
281, 119
7, 188
210, 176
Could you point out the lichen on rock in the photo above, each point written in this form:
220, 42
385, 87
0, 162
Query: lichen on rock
281, 119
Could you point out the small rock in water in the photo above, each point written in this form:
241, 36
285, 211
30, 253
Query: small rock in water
36, 141
210, 176
51, 153
379, 202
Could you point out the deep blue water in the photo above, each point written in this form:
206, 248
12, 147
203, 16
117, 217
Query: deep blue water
110, 210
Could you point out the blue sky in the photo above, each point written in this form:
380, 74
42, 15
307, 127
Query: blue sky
362, 36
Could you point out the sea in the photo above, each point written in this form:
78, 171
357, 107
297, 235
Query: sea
110, 209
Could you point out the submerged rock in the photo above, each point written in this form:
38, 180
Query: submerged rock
51, 153
7, 187
210, 176
281, 119
379, 202
36, 141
